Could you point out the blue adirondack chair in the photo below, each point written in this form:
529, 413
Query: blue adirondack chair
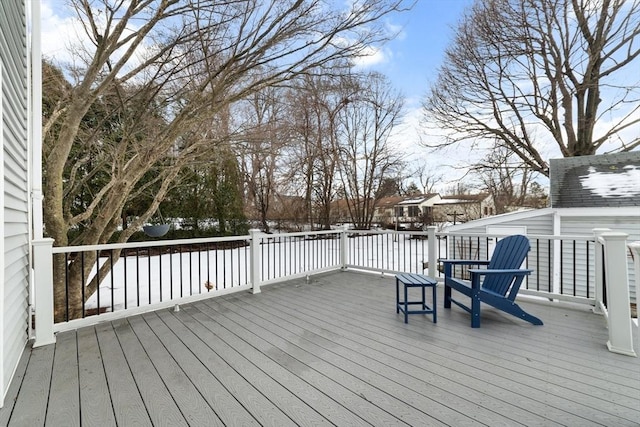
502, 279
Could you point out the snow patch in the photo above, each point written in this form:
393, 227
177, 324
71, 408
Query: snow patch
613, 184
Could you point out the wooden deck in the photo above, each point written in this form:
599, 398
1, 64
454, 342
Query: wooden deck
329, 352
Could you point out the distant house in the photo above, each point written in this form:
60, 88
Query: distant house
463, 208
384, 212
340, 212
587, 192
417, 209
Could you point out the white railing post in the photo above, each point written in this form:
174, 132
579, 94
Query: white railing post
344, 248
556, 267
255, 259
617, 284
598, 266
634, 247
43, 290
432, 247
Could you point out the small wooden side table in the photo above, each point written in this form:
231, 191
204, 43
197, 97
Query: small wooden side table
410, 280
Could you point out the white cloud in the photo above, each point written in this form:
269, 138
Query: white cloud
60, 30
409, 138
371, 56
395, 30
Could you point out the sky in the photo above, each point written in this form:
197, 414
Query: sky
411, 62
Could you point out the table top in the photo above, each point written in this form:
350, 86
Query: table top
415, 279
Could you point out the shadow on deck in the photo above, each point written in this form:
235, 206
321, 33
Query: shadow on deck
332, 351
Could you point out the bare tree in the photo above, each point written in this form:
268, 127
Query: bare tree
536, 74
366, 157
315, 103
505, 178
428, 178
263, 140
171, 67
306, 114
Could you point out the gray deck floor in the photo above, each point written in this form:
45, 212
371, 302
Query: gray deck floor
332, 351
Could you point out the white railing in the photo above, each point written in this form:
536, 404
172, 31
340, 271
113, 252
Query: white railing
614, 300
138, 277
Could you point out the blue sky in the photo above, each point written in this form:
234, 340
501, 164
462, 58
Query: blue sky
411, 60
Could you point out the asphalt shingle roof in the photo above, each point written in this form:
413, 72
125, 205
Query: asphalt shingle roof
611, 180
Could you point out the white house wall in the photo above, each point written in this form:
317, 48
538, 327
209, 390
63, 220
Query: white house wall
15, 212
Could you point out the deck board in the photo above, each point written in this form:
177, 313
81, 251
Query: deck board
323, 404
478, 349
163, 387
128, 406
64, 403
31, 403
14, 388
95, 399
375, 386
426, 353
393, 366
328, 352
327, 378
292, 406
257, 392
210, 391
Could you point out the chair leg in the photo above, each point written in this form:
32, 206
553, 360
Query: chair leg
447, 296
517, 311
475, 311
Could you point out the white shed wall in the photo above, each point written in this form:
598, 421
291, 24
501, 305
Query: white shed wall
629, 224
14, 275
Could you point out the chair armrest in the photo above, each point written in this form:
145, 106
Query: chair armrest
464, 261
448, 264
513, 271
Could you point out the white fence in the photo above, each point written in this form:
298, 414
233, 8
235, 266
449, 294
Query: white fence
124, 279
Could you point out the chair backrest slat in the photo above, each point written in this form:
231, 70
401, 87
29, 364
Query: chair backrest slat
509, 253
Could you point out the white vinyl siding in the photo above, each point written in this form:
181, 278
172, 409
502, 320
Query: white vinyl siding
584, 224
15, 212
